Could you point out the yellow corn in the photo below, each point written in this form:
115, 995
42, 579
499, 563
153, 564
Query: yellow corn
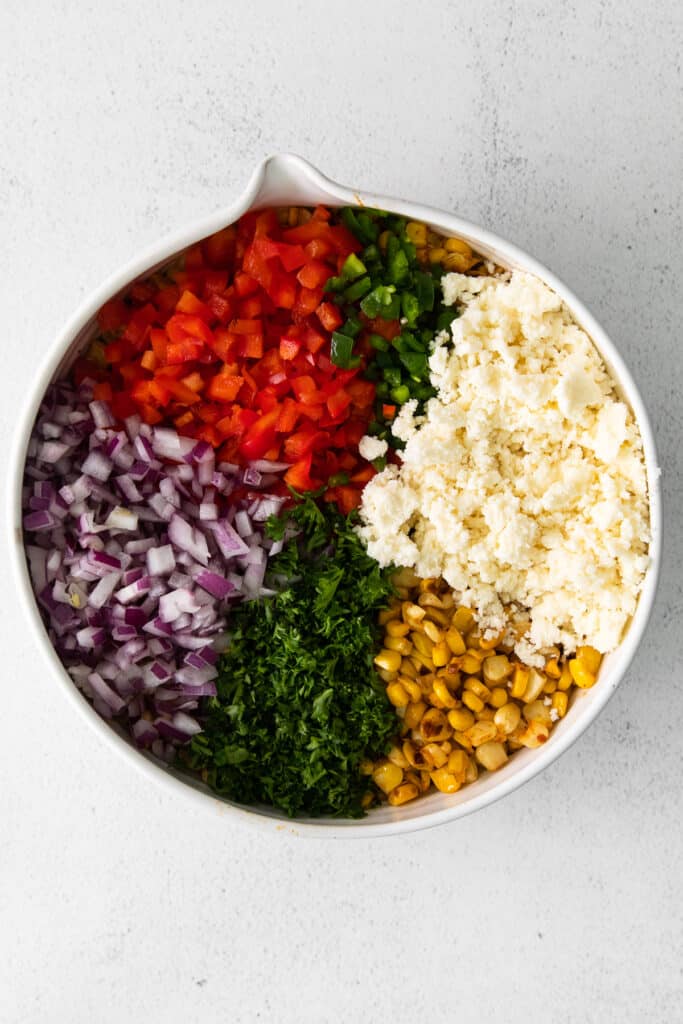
387, 776
534, 686
412, 688
434, 725
457, 261
443, 694
581, 675
560, 702
590, 658
367, 800
398, 643
408, 669
471, 701
433, 755
539, 711
414, 713
565, 680
387, 615
463, 739
455, 641
403, 793
496, 669
552, 668
388, 660
492, 642
457, 245
416, 233
499, 697
398, 695
396, 756
423, 645
431, 630
445, 781
520, 679
397, 628
366, 767
441, 654
461, 719
535, 734
469, 664
412, 613
437, 255
463, 619
457, 764
491, 755
507, 718
475, 685
383, 240
481, 732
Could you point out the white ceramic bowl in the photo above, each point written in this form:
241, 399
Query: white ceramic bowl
289, 180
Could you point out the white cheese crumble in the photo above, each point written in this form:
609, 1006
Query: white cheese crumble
525, 481
372, 447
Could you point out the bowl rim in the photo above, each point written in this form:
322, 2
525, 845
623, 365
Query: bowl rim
287, 173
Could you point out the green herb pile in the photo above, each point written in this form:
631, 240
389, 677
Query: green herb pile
387, 281
299, 703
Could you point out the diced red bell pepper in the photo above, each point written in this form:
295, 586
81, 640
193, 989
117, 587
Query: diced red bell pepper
224, 387
314, 274
329, 316
299, 476
260, 436
189, 303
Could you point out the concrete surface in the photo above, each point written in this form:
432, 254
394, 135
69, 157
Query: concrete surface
558, 125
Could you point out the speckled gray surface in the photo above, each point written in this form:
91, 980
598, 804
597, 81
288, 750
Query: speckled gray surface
557, 125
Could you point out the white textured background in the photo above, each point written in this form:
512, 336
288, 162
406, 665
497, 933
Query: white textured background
558, 126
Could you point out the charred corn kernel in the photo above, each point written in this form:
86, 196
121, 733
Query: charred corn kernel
499, 697
367, 767
455, 641
437, 255
491, 755
432, 631
552, 668
403, 794
520, 678
476, 652
492, 642
396, 756
412, 613
581, 675
444, 695
388, 660
591, 658
387, 776
386, 677
427, 584
396, 628
435, 701
398, 695
506, 719
475, 685
423, 645
428, 599
461, 719
413, 755
496, 669
434, 755
416, 233
534, 686
398, 643
388, 614
412, 687
539, 711
560, 702
441, 654
457, 245
469, 664
565, 681
408, 669
463, 619
481, 732
550, 686
486, 714
457, 764
434, 726
414, 713
447, 600
422, 662
471, 701
535, 734
445, 781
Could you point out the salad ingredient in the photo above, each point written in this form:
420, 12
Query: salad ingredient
299, 704
237, 346
134, 558
464, 702
525, 481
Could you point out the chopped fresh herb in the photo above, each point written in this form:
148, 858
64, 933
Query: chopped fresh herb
299, 703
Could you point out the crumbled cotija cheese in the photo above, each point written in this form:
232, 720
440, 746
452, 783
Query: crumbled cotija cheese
525, 481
